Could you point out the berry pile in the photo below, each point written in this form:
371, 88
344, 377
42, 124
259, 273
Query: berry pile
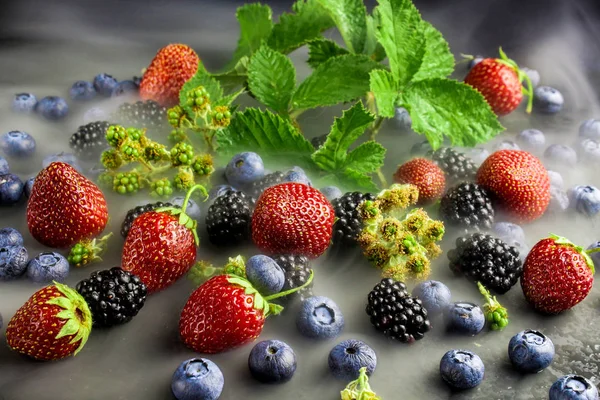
348, 225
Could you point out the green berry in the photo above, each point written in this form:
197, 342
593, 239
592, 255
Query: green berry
184, 179
126, 183
105, 179
155, 152
182, 154
115, 135
203, 165
177, 135
134, 134
111, 159
161, 188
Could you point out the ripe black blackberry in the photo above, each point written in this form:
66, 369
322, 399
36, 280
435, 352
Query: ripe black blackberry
114, 296
297, 271
259, 186
469, 205
455, 165
318, 141
142, 114
488, 260
89, 140
228, 218
395, 313
139, 210
349, 224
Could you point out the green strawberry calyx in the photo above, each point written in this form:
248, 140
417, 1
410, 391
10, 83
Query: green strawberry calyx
585, 254
185, 219
75, 312
88, 251
359, 389
204, 270
528, 91
495, 313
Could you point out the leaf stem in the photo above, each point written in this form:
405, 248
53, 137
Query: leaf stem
376, 127
382, 179
294, 114
294, 290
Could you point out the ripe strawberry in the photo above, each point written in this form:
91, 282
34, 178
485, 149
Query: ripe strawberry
518, 181
65, 207
425, 175
54, 323
557, 275
170, 68
292, 218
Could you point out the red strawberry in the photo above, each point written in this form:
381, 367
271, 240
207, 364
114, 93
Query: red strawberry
519, 181
292, 218
557, 275
425, 175
54, 323
171, 67
65, 207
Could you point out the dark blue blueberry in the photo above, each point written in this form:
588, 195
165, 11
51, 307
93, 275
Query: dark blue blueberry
508, 232
595, 256
319, 318
24, 102
192, 209
52, 108
125, 88
475, 60
297, 175
331, 192
28, 186
434, 295
265, 274
11, 189
464, 318
534, 77
561, 155
590, 150
4, 167
67, 158
94, 114
506, 145
556, 179
573, 387
348, 357
403, 118
547, 100
197, 378
243, 169
17, 144
462, 369
559, 200
82, 90
530, 351
585, 199
105, 84
48, 267
10, 237
590, 129
531, 139
13, 262
272, 361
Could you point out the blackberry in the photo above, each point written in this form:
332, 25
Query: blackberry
469, 205
297, 271
114, 296
395, 313
349, 225
488, 260
455, 165
318, 141
259, 186
142, 114
137, 211
228, 218
89, 140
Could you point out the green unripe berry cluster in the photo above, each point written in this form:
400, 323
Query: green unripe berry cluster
111, 159
79, 255
161, 188
115, 135
203, 165
182, 154
126, 182
177, 135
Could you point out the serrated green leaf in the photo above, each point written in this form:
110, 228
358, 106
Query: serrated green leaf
386, 91
438, 61
201, 78
441, 107
272, 78
339, 79
235, 77
350, 17
373, 48
227, 100
321, 50
354, 180
401, 33
331, 156
366, 158
294, 30
255, 26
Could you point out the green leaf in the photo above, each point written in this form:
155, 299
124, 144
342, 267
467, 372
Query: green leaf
255, 26
272, 78
386, 91
350, 17
71, 327
227, 100
235, 77
438, 61
331, 156
201, 78
366, 158
441, 107
294, 30
372, 47
339, 79
401, 33
354, 180
321, 50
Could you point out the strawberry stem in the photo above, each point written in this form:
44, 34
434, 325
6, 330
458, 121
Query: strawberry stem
521, 76
495, 313
359, 389
294, 290
189, 194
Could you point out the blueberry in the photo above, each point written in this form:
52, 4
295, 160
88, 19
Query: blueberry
48, 267
11, 189
403, 118
105, 84
477, 154
475, 60
590, 129
434, 295
13, 262
465, 318
219, 190
265, 274
244, 168
530, 351
319, 318
595, 256
82, 90
197, 378
462, 369
531, 139
10, 237
573, 387
585, 199
556, 179
193, 209
137, 80
331, 192
420, 148
590, 150
506, 145
124, 88
17, 144
94, 114
52, 108
348, 357
561, 155
559, 200
547, 100
272, 361
297, 175
67, 158
534, 77
28, 186
24, 102
4, 167
507, 231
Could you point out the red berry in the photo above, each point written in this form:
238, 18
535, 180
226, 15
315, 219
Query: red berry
425, 175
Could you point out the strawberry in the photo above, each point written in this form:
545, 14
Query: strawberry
292, 218
557, 275
53, 324
425, 175
518, 181
170, 68
65, 207
161, 245
500, 83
